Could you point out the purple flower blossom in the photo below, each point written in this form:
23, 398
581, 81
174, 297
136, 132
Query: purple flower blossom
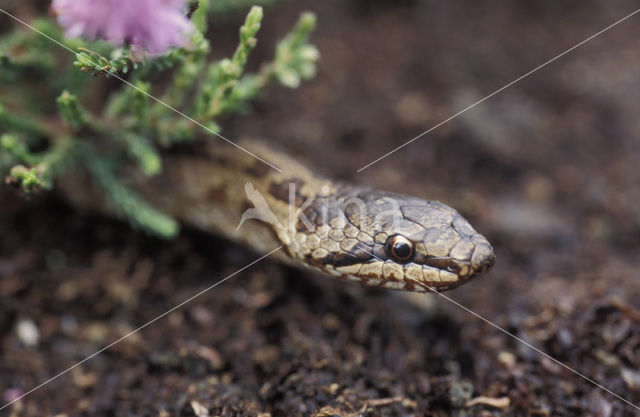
154, 25
12, 394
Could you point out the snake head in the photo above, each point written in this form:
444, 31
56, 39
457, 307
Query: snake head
395, 241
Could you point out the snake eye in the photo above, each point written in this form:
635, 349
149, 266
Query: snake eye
399, 248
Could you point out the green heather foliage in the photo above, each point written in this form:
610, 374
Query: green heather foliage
221, 7
51, 123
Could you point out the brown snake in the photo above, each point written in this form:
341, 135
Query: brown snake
361, 234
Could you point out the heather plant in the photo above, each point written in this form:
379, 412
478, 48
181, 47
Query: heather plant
51, 124
222, 7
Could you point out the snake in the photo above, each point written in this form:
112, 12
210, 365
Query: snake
263, 198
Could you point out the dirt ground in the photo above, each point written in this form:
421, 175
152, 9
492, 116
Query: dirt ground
546, 169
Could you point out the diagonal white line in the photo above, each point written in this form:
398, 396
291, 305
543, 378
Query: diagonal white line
529, 345
138, 329
433, 290
500, 89
143, 92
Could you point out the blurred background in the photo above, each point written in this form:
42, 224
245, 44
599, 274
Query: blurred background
547, 170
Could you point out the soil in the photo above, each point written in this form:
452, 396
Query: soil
546, 169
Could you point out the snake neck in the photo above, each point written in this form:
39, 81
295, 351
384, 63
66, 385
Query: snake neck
228, 192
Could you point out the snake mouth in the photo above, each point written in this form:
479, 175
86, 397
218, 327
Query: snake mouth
444, 263
485, 264
463, 269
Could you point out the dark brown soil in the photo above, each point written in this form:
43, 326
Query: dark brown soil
547, 170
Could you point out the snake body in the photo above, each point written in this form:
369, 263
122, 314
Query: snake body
361, 234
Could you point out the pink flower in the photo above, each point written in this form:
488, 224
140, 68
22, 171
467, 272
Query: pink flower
154, 25
12, 394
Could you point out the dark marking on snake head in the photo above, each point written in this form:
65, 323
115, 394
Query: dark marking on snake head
258, 169
311, 214
280, 190
345, 259
220, 160
320, 262
217, 194
359, 254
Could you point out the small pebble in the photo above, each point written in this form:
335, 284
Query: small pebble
631, 378
199, 410
507, 358
28, 332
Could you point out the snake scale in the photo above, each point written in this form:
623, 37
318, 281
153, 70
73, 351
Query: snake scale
361, 234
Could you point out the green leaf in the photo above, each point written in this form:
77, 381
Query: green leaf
144, 154
28, 178
12, 145
127, 203
14, 123
199, 16
295, 57
44, 168
223, 75
70, 110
